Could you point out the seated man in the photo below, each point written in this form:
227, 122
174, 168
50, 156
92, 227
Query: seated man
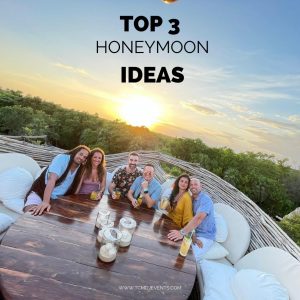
145, 187
124, 177
55, 180
203, 222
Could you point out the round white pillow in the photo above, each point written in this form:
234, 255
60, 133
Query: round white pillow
221, 228
5, 222
216, 280
166, 187
15, 205
14, 184
249, 284
216, 251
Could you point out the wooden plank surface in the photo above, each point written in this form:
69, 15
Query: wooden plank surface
55, 256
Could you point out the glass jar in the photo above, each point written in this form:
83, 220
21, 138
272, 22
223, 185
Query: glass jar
109, 224
127, 227
103, 215
109, 244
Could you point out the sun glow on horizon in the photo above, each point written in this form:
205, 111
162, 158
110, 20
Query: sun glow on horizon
139, 110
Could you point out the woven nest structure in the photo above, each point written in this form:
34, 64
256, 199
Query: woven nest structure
264, 230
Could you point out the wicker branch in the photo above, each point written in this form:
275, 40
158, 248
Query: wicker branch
264, 230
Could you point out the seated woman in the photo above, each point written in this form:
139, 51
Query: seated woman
180, 209
93, 175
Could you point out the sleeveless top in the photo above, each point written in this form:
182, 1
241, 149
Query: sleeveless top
89, 186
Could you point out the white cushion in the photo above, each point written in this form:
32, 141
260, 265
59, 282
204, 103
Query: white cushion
167, 193
5, 222
223, 261
167, 186
221, 228
9, 212
14, 184
251, 284
216, 279
239, 234
275, 261
15, 205
11, 160
216, 251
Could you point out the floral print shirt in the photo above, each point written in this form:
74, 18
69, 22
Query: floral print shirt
124, 180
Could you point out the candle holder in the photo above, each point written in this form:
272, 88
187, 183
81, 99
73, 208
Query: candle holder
109, 244
103, 215
103, 226
127, 227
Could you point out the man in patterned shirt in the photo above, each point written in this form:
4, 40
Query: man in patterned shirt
125, 176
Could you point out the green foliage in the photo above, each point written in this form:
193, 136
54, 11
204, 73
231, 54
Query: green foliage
272, 184
292, 227
172, 170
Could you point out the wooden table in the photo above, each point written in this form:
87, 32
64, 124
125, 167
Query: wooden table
54, 256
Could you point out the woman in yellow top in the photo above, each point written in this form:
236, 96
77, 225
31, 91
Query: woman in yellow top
180, 210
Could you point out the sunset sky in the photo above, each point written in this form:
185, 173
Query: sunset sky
243, 94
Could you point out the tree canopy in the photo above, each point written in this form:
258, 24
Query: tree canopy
271, 183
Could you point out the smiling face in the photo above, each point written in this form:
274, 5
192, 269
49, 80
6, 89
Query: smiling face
148, 173
133, 161
97, 159
183, 183
195, 187
81, 156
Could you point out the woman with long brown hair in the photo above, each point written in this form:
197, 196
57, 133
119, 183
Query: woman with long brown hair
93, 175
180, 210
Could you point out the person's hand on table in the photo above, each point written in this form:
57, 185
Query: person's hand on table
39, 209
175, 235
134, 203
99, 195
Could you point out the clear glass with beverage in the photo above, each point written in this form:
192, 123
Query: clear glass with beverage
186, 244
164, 203
117, 194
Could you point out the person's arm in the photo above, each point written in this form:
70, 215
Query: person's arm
134, 187
103, 183
153, 198
113, 185
80, 183
131, 198
149, 201
102, 186
45, 205
111, 189
187, 209
175, 235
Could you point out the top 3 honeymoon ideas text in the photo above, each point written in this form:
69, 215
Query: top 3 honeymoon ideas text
150, 74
